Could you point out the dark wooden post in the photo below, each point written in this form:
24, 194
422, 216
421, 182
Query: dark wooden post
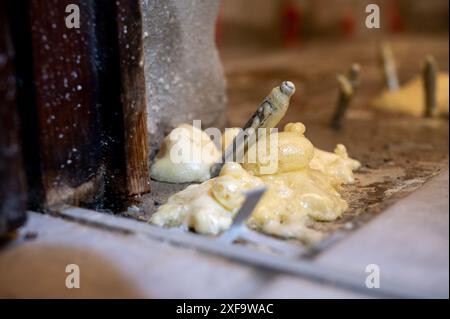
82, 95
12, 179
66, 99
129, 24
123, 106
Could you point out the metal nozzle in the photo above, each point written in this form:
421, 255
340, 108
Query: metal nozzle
347, 87
287, 88
267, 115
388, 65
429, 75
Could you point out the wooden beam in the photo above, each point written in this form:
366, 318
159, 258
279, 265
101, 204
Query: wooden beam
82, 97
123, 102
123, 107
66, 97
12, 177
129, 26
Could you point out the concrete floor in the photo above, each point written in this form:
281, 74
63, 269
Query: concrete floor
409, 242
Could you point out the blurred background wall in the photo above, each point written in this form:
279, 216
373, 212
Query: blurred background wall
291, 22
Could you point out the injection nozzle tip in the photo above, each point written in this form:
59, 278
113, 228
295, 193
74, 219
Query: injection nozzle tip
287, 87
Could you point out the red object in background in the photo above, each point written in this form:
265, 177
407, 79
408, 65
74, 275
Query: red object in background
291, 25
395, 19
347, 24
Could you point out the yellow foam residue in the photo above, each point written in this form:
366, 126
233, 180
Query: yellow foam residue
186, 155
304, 187
410, 98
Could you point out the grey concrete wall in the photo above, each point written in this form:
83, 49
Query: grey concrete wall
183, 73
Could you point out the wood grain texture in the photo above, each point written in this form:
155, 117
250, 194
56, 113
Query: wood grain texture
129, 26
12, 178
66, 99
122, 102
82, 99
